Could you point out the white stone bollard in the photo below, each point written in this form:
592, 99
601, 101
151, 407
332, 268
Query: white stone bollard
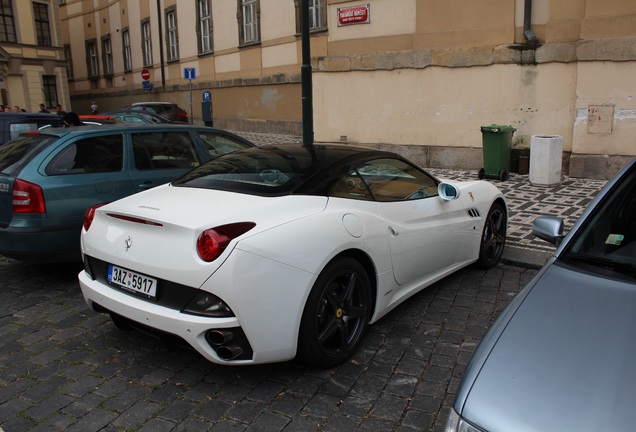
546, 154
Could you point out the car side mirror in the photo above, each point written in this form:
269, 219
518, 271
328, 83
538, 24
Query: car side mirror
549, 228
447, 191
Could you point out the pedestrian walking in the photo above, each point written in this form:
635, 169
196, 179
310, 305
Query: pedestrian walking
43, 109
93, 108
59, 111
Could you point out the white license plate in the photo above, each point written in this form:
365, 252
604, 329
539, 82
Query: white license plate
132, 281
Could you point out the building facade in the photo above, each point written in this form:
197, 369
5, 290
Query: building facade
416, 76
32, 61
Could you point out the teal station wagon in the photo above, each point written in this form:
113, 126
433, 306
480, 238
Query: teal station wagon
49, 178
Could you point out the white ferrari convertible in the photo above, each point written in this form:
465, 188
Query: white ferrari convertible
277, 252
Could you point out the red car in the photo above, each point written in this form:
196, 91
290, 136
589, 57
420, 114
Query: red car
168, 110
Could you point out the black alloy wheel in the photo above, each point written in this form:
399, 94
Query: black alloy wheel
336, 315
493, 237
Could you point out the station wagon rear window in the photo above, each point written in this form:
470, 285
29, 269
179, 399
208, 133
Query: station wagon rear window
18, 152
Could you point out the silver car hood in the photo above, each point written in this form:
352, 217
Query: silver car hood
565, 361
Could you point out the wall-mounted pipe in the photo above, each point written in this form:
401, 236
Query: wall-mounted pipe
527, 23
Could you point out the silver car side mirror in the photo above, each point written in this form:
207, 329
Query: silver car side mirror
549, 228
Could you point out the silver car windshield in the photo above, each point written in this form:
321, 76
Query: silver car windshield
608, 240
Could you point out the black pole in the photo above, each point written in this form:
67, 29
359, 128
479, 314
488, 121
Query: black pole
305, 75
163, 72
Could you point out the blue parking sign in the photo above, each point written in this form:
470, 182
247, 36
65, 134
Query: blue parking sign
207, 96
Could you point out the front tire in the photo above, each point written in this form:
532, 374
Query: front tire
493, 236
336, 315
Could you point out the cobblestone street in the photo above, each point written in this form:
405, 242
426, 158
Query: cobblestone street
64, 367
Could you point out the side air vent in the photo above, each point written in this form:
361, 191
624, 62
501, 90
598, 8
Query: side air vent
474, 213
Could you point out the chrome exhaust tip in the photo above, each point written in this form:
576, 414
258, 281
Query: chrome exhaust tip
219, 337
229, 352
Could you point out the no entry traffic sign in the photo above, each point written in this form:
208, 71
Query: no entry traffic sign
145, 74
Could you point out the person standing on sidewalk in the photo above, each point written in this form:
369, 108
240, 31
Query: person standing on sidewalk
59, 111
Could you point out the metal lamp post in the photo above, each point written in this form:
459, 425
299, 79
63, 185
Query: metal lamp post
305, 74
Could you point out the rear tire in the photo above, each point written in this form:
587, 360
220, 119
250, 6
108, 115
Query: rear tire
336, 315
493, 236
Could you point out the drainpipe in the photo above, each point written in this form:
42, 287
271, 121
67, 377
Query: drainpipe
163, 72
527, 23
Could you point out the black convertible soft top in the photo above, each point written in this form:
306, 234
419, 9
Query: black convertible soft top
279, 170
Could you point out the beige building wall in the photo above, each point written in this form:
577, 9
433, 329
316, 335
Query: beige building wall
24, 63
420, 77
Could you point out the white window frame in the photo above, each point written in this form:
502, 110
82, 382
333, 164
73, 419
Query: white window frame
146, 43
108, 56
250, 21
205, 26
93, 59
127, 52
317, 14
173, 43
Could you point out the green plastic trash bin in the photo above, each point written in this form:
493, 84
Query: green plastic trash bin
497, 142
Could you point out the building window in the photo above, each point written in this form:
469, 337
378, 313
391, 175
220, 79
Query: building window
62, 2
249, 16
91, 57
7, 25
42, 26
125, 36
146, 47
49, 85
171, 36
204, 29
317, 15
107, 52
69, 62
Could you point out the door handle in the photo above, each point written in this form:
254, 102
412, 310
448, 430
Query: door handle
146, 185
393, 232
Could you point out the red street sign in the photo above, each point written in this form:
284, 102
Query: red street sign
145, 74
353, 15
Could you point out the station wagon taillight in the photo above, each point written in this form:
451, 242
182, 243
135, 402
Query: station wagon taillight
212, 242
27, 197
89, 215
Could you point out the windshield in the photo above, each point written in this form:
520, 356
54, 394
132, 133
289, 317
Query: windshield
17, 152
607, 240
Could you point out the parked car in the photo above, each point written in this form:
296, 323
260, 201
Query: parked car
170, 111
128, 116
48, 178
13, 124
98, 119
272, 252
559, 358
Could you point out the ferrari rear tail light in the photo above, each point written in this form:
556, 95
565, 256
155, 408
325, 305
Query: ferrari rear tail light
212, 242
182, 116
27, 197
89, 215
